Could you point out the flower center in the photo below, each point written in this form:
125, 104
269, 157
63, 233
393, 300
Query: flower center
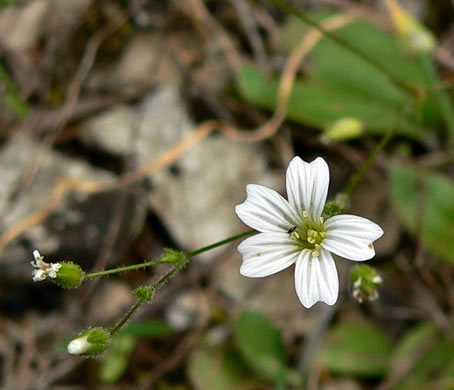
309, 235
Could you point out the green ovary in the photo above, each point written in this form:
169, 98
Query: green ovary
310, 236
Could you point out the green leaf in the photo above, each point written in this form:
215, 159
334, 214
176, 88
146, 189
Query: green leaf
358, 349
320, 104
413, 341
419, 354
424, 202
259, 342
147, 329
217, 369
437, 364
116, 362
340, 84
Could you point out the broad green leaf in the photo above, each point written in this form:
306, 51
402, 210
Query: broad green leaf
147, 329
436, 364
259, 342
215, 368
358, 349
340, 84
424, 355
424, 202
320, 104
416, 339
116, 360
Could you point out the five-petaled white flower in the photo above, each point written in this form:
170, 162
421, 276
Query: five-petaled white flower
44, 269
295, 231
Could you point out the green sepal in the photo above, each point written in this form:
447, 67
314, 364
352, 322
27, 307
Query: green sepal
95, 342
69, 275
144, 293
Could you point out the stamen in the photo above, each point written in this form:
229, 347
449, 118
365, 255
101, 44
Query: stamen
295, 234
305, 214
322, 220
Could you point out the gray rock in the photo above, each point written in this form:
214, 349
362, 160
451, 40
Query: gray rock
76, 227
196, 198
22, 27
145, 62
113, 297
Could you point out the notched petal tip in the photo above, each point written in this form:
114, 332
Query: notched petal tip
316, 279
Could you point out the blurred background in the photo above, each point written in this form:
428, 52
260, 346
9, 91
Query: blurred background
130, 126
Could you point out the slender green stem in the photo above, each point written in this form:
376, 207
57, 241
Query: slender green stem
441, 97
156, 262
165, 278
124, 269
404, 85
161, 281
128, 315
219, 243
370, 159
141, 301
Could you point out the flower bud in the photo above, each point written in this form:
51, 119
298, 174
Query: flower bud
339, 205
69, 275
172, 256
91, 342
343, 129
365, 281
144, 293
413, 36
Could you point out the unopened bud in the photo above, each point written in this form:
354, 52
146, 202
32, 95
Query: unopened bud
172, 256
69, 275
91, 342
413, 36
143, 293
343, 129
365, 282
339, 205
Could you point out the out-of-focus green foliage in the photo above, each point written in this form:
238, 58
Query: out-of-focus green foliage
339, 84
12, 98
424, 202
6, 3
218, 368
259, 342
147, 329
358, 349
428, 356
257, 355
117, 359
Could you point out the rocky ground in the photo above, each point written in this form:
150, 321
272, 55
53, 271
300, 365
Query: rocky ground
106, 160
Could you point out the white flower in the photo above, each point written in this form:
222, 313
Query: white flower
294, 231
44, 269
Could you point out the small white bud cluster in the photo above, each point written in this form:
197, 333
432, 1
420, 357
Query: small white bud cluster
44, 269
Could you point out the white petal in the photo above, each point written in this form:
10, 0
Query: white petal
267, 253
351, 237
316, 278
307, 186
266, 211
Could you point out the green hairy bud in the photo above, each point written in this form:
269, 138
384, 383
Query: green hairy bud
69, 275
91, 342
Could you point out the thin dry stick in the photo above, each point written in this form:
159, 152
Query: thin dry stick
171, 155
